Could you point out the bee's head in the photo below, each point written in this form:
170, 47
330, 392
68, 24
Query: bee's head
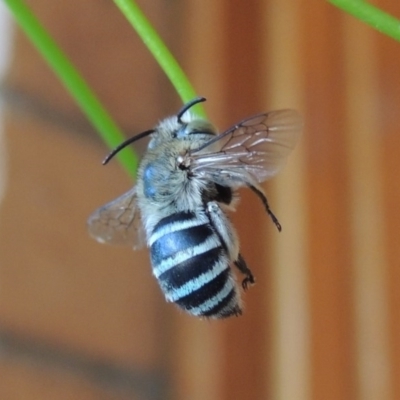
189, 124
193, 126
184, 125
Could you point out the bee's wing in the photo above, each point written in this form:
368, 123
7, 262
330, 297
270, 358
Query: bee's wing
256, 148
118, 222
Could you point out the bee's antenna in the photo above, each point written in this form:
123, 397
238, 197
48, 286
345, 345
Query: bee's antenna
189, 105
125, 143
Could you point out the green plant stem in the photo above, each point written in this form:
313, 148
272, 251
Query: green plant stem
73, 81
159, 50
371, 15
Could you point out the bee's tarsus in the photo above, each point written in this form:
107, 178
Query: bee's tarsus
248, 281
263, 198
240, 263
275, 220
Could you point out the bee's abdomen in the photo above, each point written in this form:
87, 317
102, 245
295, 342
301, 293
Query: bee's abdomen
192, 267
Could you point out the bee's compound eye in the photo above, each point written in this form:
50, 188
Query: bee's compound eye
152, 144
149, 176
183, 131
197, 126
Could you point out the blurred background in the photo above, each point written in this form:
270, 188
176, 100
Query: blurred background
80, 320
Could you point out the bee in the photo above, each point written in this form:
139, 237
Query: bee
187, 180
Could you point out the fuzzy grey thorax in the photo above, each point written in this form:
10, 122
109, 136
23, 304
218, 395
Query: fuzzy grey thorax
165, 184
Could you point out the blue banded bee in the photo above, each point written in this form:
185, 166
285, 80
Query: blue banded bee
186, 182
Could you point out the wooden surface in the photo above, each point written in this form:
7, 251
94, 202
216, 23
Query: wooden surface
322, 322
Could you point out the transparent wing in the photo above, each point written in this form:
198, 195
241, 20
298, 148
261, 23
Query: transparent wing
255, 148
118, 222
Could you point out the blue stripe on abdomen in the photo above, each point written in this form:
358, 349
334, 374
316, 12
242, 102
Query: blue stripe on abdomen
187, 270
178, 217
226, 307
192, 266
173, 242
209, 290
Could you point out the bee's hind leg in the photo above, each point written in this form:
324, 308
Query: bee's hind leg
227, 235
240, 263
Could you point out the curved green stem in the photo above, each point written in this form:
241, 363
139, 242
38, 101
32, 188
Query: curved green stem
73, 81
371, 15
159, 50
77, 86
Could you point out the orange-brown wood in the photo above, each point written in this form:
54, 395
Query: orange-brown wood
330, 276
324, 312
289, 360
245, 338
388, 59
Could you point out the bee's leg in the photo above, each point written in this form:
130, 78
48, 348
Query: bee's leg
223, 228
258, 191
227, 235
240, 263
